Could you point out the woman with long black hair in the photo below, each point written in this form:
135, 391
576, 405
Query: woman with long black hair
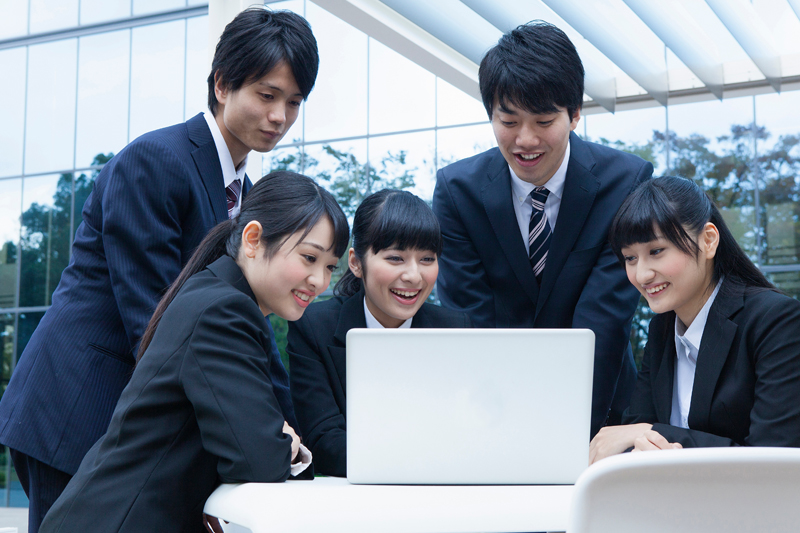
199, 408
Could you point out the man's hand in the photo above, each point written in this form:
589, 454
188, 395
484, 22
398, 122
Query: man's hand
653, 440
295, 440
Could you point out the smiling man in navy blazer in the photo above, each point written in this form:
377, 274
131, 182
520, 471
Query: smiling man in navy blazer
526, 224
151, 206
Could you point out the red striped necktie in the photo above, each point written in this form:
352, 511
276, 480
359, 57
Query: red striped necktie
232, 194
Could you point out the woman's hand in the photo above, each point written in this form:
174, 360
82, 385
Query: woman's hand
653, 440
295, 439
612, 440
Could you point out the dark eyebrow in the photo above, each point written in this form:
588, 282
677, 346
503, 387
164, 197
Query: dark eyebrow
276, 88
315, 245
506, 110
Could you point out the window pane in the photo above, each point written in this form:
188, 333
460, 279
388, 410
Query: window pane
45, 237
338, 105
630, 131
50, 133
788, 282
49, 15
102, 95
157, 77
93, 11
14, 21
27, 323
12, 115
342, 169
454, 144
141, 7
291, 158
402, 95
10, 210
197, 66
454, 106
778, 172
404, 162
6, 348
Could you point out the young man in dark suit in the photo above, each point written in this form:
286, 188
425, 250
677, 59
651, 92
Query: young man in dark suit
151, 206
526, 224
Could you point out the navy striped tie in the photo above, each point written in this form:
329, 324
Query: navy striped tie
538, 232
232, 194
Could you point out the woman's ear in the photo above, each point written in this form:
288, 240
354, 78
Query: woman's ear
354, 263
251, 239
709, 238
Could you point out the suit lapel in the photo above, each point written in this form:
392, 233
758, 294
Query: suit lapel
496, 196
580, 188
715, 347
665, 373
351, 315
207, 160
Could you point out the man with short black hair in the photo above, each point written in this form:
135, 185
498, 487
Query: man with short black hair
525, 224
151, 206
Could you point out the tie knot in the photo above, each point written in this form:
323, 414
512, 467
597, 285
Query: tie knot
539, 197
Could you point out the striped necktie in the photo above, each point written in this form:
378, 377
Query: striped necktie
232, 194
539, 232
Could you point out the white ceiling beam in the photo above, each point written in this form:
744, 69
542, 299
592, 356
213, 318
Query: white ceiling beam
406, 38
686, 38
452, 23
755, 38
635, 52
600, 83
795, 4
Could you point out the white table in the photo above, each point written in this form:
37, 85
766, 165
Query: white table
334, 505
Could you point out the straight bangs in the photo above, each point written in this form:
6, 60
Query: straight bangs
646, 215
405, 222
537, 99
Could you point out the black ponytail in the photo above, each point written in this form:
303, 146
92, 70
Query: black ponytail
283, 203
390, 218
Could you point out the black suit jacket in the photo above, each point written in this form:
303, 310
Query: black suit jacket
151, 206
747, 382
485, 272
317, 361
199, 409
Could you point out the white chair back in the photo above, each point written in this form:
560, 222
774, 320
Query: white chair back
693, 490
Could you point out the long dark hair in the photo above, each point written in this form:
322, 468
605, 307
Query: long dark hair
390, 218
679, 209
283, 203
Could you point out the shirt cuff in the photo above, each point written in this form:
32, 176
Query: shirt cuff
303, 458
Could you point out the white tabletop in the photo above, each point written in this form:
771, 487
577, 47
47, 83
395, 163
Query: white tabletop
334, 505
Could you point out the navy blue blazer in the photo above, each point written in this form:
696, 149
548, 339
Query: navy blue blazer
151, 206
484, 269
199, 409
317, 360
747, 383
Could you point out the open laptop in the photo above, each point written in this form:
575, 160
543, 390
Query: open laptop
468, 406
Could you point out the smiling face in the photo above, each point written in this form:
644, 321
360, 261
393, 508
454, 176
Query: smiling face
287, 282
533, 145
396, 282
668, 278
259, 114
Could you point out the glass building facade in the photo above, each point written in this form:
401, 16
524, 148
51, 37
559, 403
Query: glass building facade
82, 78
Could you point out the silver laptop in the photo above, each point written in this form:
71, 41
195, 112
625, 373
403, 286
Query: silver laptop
468, 406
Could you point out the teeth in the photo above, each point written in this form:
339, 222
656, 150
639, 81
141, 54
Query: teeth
657, 288
406, 294
529, 157
302, 296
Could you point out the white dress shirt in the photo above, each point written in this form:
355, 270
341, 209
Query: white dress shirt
372, 322
687, 346
520, 197
229, 173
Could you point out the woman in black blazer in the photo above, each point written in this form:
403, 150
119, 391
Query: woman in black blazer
392, 270
722, 361
199, 408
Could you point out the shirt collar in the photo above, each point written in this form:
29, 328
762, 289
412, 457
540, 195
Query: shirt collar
372, 322
229, 173
694, 333
555, 184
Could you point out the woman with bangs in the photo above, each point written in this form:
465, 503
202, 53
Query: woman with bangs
393, 266
722, 361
